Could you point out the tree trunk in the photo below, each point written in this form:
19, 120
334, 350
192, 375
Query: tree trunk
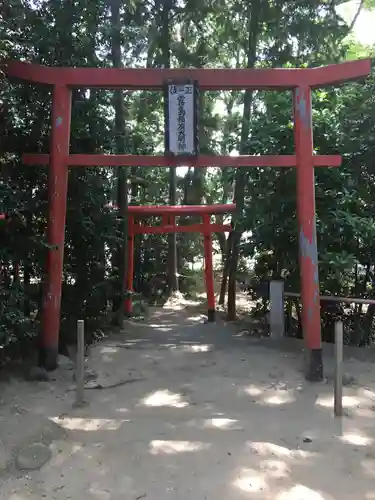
27, 269
122, 172
223, 242
100, 268
224, 282
240, 179
288, 317
172, 238
299, 333
134, 190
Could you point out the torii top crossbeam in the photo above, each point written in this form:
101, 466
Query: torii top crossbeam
208, 79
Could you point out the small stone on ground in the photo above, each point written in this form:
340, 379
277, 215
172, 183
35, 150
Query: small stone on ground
65, 363
89, 375
33, 457
37, 374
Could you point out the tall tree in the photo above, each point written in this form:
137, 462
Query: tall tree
165, 49
254, 30
120, 148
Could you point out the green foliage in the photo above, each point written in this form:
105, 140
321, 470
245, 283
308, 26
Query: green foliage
14, 325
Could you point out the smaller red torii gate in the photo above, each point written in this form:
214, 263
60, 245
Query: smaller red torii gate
168, 225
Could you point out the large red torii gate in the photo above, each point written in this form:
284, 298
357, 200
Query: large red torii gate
300, 81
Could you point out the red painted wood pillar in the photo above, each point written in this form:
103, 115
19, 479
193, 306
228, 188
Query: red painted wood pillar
57, 197
208, 269
308, 252
128, 303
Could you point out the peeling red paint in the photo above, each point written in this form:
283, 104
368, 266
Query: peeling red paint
302, 107
306, 216
57, 197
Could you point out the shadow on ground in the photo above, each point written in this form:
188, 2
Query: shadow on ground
187, 410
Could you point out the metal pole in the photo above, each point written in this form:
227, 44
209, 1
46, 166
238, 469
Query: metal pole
80, 364
339, 338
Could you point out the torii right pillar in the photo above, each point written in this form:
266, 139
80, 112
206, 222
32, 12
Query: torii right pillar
308, 251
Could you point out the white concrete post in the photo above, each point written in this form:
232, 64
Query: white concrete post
339, 340
277, 322
80, 364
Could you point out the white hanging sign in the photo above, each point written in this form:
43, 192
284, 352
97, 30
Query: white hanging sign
181, 134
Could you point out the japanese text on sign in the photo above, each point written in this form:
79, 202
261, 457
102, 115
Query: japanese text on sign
181, 119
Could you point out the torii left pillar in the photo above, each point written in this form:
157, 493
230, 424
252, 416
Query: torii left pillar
57, 198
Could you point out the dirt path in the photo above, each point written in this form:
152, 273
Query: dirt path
193, 411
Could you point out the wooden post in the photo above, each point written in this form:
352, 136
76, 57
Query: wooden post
277, 321
57, 196
208, 269
128, 303
80, 364
339, 340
